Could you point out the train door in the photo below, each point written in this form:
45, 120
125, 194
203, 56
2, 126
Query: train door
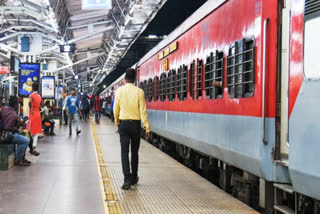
284, 81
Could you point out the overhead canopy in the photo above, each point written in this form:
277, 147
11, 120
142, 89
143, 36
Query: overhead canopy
101, 37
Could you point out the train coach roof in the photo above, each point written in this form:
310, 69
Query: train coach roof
201, 13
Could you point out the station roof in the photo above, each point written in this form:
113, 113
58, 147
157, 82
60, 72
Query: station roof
102, 38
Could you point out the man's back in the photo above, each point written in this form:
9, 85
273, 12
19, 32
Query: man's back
130, 105
9, 118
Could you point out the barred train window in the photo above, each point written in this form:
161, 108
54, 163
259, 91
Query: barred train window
214, 74
155, 89
196, 79
240, 68
182, 82
171, 85
141, 86
145, 87
149, 90
163, 86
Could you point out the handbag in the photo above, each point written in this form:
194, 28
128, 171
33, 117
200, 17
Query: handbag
6, 137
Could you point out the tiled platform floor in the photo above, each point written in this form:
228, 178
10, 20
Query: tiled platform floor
165, 185
62, 180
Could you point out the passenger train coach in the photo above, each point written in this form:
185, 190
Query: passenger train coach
236, 88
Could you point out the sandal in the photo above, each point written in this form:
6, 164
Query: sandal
27, 161
35, 153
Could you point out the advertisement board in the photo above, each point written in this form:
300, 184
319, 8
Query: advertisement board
4, 69
60, 91
29, 74
47, 87
15, 65
96, 4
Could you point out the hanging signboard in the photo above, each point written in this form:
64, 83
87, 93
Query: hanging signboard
47, 87
96, 4
60, 91
28, 74
4, 69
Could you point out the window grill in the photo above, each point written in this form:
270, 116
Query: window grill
149, 90
182, 82
145, 88
240, 68
155, 89
214, 75
196, 85
163, 86
171, 85
141, 86
312, 9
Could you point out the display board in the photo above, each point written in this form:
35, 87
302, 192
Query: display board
29, 74
15, 65
47, 87
96, 4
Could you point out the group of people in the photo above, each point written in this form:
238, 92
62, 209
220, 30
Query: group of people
84, 106
129, 110
15, 130
25, 131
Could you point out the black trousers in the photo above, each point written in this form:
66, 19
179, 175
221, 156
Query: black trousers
129, 131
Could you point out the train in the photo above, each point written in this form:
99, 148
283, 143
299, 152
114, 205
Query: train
232, 92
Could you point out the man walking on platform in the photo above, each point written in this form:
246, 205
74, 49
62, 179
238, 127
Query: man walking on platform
129, 110
72, 107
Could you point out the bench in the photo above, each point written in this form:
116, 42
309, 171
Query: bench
7, 156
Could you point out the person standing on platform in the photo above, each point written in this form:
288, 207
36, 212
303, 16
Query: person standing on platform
111, 108
97, 108
84, 107
35, 124
64, 100
73, 111
129, 110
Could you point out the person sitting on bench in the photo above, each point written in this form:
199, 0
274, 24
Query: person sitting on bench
47, 123
10, 116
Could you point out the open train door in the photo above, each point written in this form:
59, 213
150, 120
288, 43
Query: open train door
282, 151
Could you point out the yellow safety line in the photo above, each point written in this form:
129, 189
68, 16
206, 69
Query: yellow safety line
109, 197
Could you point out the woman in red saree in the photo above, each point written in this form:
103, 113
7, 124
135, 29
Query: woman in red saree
35, 124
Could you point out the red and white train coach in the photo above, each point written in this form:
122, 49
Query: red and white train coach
235, 86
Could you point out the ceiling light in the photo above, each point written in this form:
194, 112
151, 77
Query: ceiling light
152, 36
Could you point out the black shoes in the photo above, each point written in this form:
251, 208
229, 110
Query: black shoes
22, 163
126, 186
78, 132
135, 181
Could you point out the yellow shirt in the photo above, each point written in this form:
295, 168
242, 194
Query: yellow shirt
130, 104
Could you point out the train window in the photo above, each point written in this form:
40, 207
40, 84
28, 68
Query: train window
182, 82
149, 90
156, 89
214, 75
171, 85
145, 88
163, 87
240, 68
141, 85
311, 46
196, 70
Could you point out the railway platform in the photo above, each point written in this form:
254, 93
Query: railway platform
83, 175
